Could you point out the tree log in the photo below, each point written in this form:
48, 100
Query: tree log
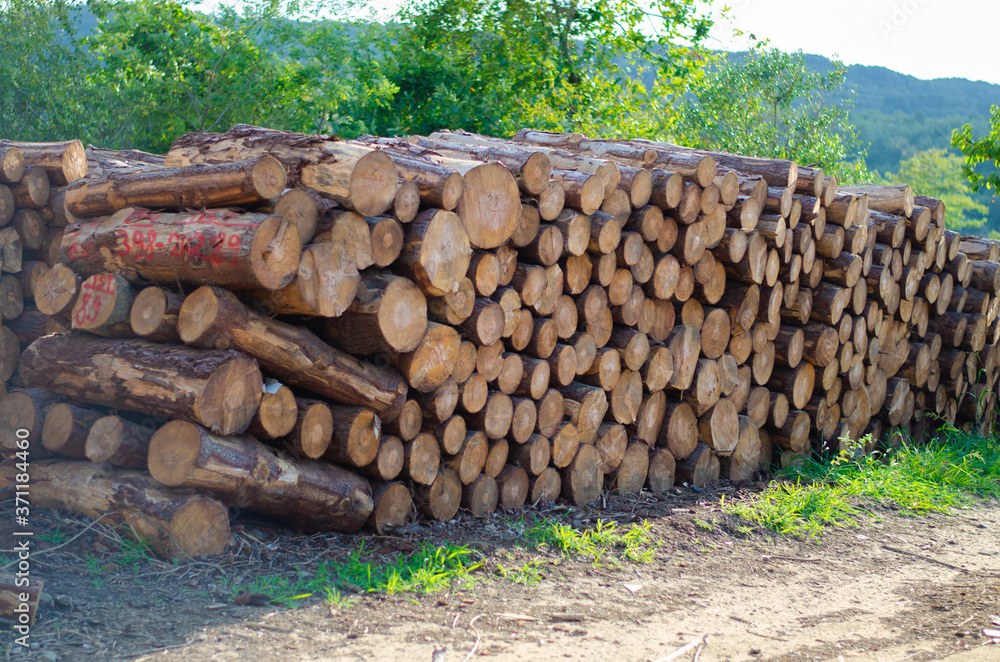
175, 526
219, 247
220, 389
197, 186
213, 317
243, 472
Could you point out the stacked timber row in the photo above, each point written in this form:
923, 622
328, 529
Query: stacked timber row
340, 333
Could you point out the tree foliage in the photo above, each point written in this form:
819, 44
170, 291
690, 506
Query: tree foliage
43, 71
771, 104
985, 150
153, 69
937, 173
494, 66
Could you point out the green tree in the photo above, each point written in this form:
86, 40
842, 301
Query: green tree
495, 66
937, 173
985, 150
176, 70
44, 91
771, 104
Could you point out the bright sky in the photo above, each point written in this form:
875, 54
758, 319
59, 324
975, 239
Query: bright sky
922, 38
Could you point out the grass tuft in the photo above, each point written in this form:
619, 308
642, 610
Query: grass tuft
953, 470
606, 542
425, 570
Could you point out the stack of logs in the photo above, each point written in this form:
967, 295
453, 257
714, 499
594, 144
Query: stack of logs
336, 333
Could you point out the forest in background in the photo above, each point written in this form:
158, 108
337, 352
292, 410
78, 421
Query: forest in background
138, 73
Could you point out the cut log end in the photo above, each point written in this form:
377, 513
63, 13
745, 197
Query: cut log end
373, 184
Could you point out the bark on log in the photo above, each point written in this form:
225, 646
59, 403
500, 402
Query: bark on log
220, 389
154, 315
63, 162
213, 317
176, 526
355, 176
388, 313
119, 441
325, 285
219, 247
242, 471
197, 186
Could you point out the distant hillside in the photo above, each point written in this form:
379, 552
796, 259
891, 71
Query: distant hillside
900, 114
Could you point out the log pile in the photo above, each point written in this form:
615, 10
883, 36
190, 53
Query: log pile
344, 333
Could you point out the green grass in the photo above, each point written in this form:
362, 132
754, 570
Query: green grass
425, 570
953, 470
53, 537
530, 573
433, 568
605, 543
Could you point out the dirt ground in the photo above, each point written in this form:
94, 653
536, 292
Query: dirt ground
901, 588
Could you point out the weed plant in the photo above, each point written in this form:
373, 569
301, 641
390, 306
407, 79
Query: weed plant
953, 470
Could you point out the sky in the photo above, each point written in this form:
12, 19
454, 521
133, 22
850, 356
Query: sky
922, 38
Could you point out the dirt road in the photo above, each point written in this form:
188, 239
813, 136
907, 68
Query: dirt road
901, 588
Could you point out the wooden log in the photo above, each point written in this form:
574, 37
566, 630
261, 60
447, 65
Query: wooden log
745, 459
213, 317
440, 499
388, 313
473, 393
626, 397
219, 247
421, 459
888, 199
719, 426
153, 315
470, 459
582, 478
585, 406
11, 297
104, 305
34, 189
392, 505
11, 164
533, 455
512, 483
532, 168
436, 252
490, 360
355, 176
349, 231
700, 468
496, 417
25, 409
119, 441
63, 162
174, 525
220, 389
632, 471
524, 420
325, 284
680, 430
276, 415
299, 207
306, 494
313, 429
450, 434
11, 250
480, 497
57, 290
241, 183
66, 429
